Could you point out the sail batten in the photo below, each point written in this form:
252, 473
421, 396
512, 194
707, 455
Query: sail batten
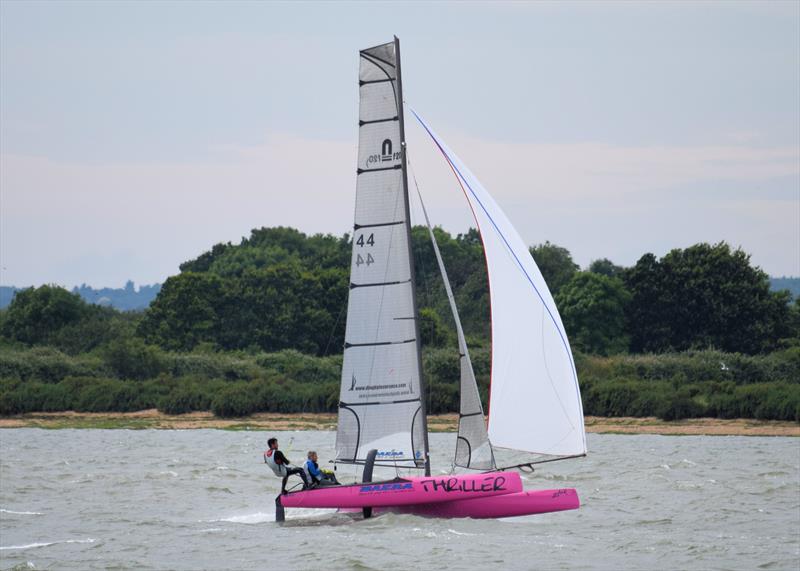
381, 404
535, 403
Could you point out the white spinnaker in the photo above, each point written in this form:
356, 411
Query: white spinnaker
534, 401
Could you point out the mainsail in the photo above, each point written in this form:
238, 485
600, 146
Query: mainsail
381, 405
534, 401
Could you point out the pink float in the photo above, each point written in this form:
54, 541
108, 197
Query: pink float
491, 495
407, 491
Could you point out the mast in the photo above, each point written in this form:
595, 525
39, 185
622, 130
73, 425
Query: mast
403, 162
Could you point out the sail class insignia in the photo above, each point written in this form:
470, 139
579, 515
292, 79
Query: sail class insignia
386, 150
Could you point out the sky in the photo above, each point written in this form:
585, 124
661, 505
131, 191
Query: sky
135, 136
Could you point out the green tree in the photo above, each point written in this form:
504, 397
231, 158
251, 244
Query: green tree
592, 307
271, 246
466, 270
704, 296
431, 329
185, 312
605, 267
35, 314
555, 263
282, 306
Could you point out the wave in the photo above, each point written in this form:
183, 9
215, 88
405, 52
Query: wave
258, 517
454, 532
5, 511
269, 517
46, 544
210, 530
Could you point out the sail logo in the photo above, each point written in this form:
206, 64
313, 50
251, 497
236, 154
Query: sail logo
386, 150
386, 487
389, 453
386, 154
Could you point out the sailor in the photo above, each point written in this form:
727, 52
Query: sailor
281, 466
315, 475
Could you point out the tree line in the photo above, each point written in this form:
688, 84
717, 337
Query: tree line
281, 289
259, 325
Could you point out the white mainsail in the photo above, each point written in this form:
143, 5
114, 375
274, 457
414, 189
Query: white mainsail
380, 398
534, 401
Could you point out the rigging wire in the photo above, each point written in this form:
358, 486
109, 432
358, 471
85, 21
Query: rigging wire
425, 283
462, 349
333, 330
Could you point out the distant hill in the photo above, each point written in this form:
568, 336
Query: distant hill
7, 294
792, 284
127, 298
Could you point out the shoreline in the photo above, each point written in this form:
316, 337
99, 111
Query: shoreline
152, 419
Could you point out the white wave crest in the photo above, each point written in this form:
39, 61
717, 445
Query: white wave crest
46, 544
454, 532
258, 517
5, 511
269, 517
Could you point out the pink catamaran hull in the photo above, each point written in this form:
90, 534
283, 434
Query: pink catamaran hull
493, 495
507, 505
407, 491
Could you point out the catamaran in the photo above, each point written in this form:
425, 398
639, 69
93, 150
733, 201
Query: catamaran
535, 403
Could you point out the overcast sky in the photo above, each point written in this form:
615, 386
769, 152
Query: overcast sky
134, 136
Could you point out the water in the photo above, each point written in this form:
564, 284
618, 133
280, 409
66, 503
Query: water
203, 499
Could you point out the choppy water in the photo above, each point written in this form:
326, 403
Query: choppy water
203, 499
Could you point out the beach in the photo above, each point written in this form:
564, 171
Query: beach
153, 419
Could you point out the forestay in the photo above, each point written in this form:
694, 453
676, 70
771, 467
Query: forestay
380, 405
534, 402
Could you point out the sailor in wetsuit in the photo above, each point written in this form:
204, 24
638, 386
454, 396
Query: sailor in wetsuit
281, 466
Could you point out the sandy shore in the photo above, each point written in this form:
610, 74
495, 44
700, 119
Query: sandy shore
438, 423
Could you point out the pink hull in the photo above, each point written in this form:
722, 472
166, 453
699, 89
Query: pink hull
507, 505
409, 491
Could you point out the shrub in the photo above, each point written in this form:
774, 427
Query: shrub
680, 405
185, 399
231, 366
302, 368
46, 364
34, 397
133, 359
235, 400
